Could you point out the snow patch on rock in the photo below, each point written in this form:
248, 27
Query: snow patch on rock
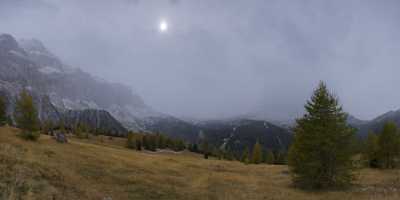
49, 70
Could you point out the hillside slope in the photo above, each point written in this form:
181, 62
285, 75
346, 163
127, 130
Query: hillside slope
100, 168
377, 123
235, 135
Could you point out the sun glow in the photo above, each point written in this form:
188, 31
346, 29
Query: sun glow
163, 27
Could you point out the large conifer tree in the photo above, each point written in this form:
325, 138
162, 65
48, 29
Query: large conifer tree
321, 154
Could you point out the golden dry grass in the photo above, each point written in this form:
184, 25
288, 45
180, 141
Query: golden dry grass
100, 168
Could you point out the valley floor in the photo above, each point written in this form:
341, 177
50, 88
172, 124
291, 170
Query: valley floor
103, 169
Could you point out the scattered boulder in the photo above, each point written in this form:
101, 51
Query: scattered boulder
61, 137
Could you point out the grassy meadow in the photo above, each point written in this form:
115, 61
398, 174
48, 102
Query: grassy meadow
101, 168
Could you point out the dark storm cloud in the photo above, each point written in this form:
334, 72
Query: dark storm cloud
223, 58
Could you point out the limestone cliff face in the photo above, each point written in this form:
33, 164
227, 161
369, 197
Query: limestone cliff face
60, 92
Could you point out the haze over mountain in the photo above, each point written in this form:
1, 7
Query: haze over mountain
222, 59
68, 96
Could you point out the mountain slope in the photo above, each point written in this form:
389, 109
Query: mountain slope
236, 135
377, 124
99, 120
355, 122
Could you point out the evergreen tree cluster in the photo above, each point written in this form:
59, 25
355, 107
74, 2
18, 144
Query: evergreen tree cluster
259, 156
383, 150
80, 130
152, 142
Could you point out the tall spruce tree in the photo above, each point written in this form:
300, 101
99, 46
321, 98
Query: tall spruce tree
256, 156
3, 115
26, 116
321, 153
389, 146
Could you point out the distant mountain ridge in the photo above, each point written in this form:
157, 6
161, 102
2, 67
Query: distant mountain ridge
238, 134
62, 92
355, 121
233, 135
376, 124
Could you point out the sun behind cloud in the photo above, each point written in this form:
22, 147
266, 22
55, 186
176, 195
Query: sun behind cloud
163, 26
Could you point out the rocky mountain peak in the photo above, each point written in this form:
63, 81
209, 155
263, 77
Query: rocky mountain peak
8, 43
38, 53
31, 45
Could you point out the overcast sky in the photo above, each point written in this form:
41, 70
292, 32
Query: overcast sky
221, 58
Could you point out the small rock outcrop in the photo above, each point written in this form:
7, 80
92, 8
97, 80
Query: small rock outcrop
61, 137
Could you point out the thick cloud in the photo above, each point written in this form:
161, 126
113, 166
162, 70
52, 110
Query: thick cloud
221, 58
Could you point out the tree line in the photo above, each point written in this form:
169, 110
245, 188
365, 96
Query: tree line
258, 155
152, 142
323, 154
255, 155
382, 150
